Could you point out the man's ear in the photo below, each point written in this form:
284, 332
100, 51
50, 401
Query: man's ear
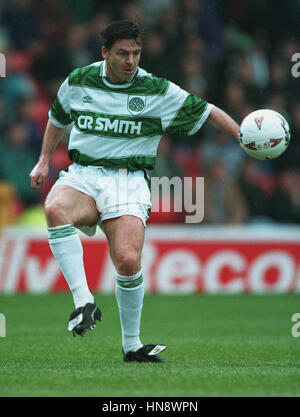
104, 52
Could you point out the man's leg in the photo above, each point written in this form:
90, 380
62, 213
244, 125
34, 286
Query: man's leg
65, 207
125, 236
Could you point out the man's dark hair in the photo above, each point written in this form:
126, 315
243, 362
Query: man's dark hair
121, 29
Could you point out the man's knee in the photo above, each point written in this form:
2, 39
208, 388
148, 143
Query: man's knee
128, 263
55, 211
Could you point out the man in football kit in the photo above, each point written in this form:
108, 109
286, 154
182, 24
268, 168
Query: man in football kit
119, 112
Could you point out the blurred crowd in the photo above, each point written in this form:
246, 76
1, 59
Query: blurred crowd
235, 54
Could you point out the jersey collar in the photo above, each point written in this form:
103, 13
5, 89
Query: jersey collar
103, 74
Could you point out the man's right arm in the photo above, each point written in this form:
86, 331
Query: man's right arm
52, 137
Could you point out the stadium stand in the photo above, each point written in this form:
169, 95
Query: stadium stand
225, 51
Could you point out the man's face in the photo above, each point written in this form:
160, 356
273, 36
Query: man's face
122, 59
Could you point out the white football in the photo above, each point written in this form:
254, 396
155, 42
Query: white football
264, 134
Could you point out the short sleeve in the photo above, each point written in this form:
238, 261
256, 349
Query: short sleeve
183, 113
59, 114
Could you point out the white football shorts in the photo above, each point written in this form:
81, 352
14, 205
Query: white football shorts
117, 192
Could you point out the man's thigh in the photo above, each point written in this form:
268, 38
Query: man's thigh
125, 237
79, 207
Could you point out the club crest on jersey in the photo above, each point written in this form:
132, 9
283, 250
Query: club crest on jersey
136, 104
258, 121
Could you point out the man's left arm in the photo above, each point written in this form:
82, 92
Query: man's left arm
185, 113
222, 121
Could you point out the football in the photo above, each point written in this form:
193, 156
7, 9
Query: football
264, 134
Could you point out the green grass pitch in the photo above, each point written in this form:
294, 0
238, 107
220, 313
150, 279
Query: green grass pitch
218, 345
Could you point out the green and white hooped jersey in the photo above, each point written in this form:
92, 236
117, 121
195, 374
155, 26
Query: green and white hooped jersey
120, 125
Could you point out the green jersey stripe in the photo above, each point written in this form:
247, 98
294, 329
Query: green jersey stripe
202, 119
132, 163
79, 75
59, 114
142, 86
188, 115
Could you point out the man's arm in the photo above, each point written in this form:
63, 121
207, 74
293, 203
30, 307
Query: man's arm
222, 121
52, 137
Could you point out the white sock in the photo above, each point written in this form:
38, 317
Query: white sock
129, 294
67, 249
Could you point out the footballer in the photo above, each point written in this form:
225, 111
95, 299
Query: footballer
118, 113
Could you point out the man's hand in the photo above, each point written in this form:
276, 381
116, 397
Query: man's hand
51, 138
39, 174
